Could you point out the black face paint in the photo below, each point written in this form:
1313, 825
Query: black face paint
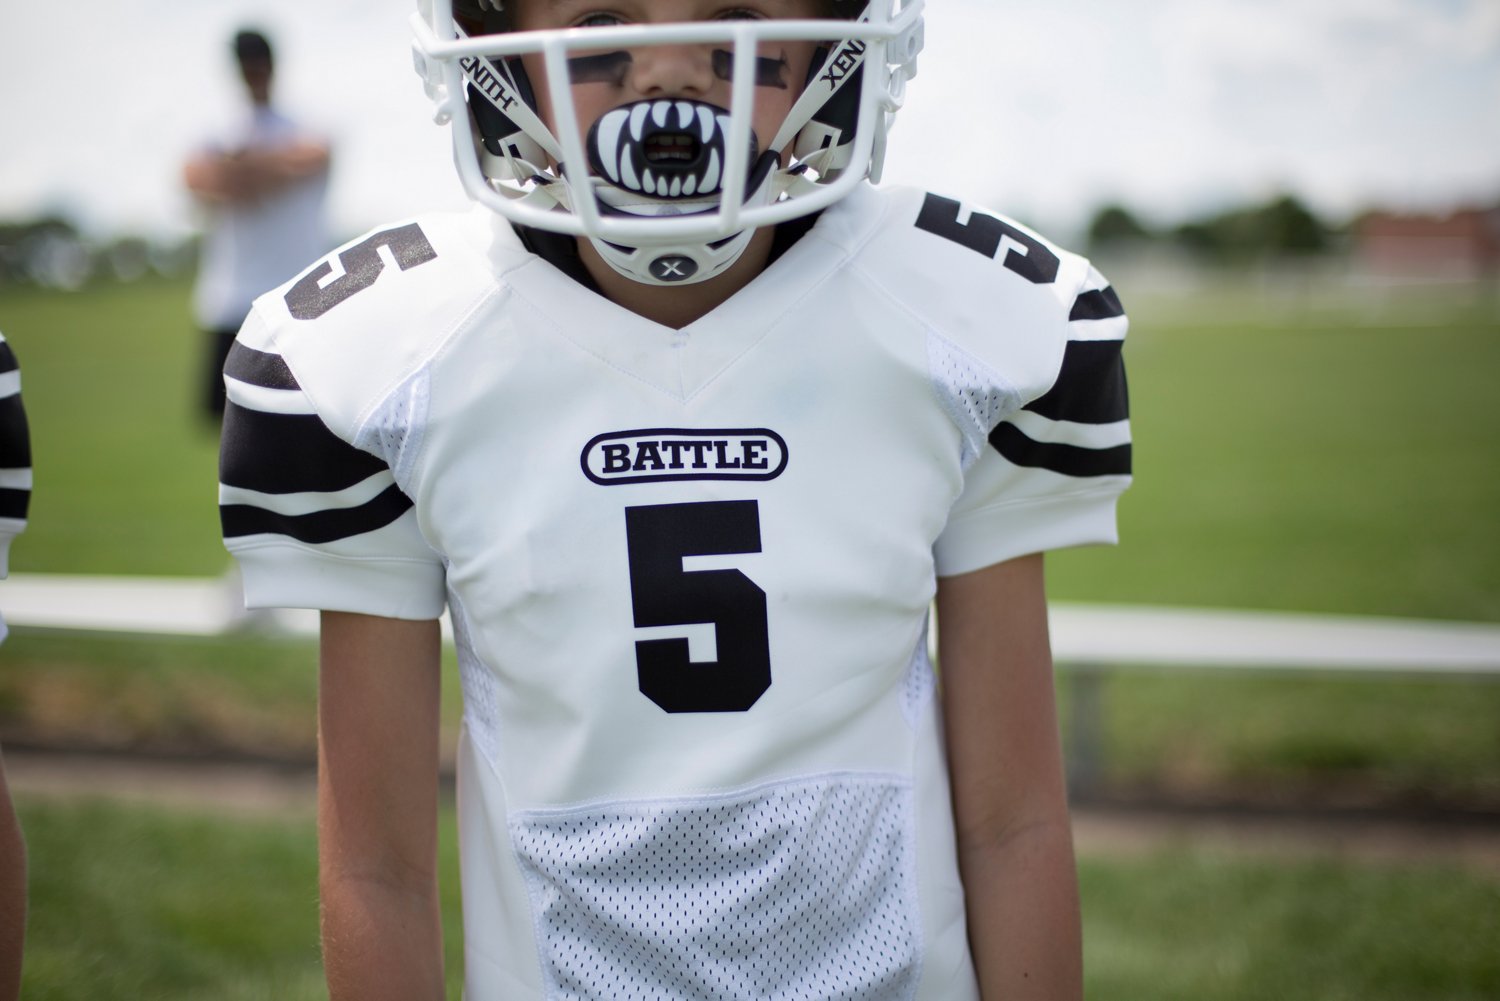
768, 72
607, 67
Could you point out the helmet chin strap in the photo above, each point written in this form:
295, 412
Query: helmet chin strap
670, 263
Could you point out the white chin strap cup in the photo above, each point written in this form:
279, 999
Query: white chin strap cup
679, 262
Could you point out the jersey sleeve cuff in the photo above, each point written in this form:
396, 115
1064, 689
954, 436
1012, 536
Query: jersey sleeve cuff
1001, 532
281, 575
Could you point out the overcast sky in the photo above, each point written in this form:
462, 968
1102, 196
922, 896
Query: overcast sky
1043, 109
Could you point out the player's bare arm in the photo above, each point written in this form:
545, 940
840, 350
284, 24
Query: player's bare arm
1010, 807
377, 807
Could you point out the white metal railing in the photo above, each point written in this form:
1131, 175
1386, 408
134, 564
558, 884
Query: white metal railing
1092, 641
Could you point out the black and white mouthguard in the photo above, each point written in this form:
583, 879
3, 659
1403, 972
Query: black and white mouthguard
665, 148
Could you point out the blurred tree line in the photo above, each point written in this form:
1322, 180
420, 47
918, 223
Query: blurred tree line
1278, 228
52, 252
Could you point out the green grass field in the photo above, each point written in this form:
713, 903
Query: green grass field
1333, 460
130, 902
1335, 456
125, 468
138, 903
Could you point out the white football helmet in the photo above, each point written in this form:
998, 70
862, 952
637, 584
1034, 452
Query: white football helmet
687, 214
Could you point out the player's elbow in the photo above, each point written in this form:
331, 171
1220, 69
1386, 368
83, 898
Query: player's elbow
360, 897
1008, 829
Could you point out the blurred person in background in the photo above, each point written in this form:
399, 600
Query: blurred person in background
15, 495
263, 184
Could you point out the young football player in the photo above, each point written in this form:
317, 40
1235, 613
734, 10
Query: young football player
686, 426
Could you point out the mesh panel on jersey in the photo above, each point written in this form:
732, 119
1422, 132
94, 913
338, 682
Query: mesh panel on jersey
920, 682
394, 431
794, 891
975, 396
481, 714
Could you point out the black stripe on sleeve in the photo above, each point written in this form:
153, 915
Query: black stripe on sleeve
1100, 304
1090, 389
13, 503
7, 358
319, 526
288, 453
1069, 460
258, 368
15, 436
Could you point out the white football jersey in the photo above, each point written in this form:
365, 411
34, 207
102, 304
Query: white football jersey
689, 571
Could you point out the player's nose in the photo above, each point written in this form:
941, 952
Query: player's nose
673, 70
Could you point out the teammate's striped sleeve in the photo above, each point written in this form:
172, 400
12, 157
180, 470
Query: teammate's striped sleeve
15, 455
1081, 426
313, 520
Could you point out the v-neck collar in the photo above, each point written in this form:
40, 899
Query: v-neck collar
677, 362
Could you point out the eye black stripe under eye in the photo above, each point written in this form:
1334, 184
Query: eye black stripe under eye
607, 67
768, 72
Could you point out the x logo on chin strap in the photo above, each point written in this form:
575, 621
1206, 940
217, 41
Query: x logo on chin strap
673, 268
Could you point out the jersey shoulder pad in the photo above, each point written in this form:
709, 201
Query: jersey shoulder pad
361, 320
988, 287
